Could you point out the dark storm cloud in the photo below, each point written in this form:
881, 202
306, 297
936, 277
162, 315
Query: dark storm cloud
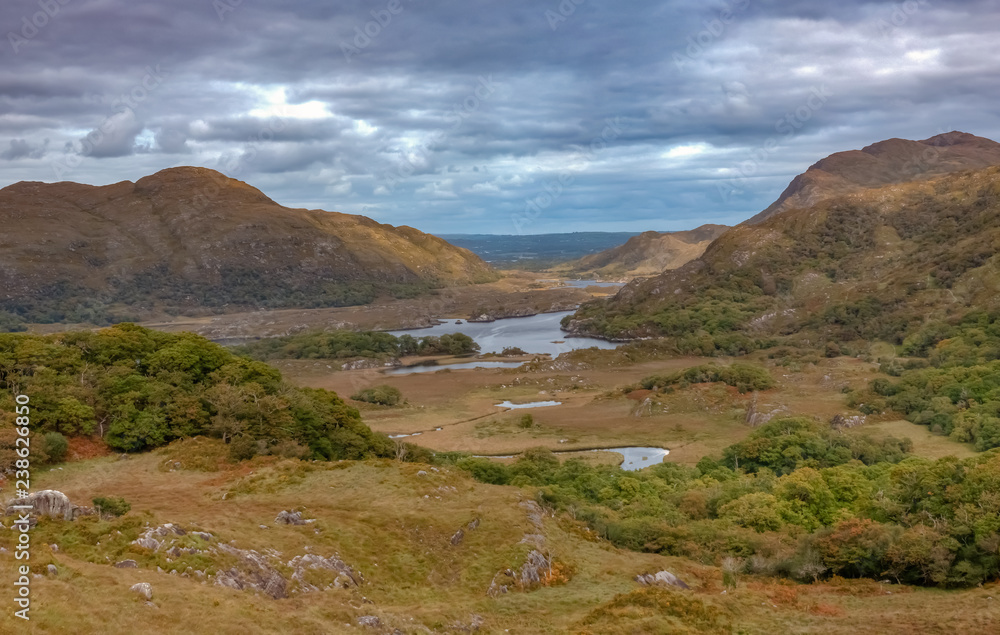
465, 115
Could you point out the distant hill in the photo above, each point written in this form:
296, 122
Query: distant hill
884, 163
536, 251
187, 239
647, 254
872, 263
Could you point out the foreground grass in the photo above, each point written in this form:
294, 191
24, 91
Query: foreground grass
394, 526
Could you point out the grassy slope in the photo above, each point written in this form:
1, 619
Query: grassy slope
376, 516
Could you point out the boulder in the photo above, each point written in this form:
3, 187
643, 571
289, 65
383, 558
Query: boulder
370, 621
662, 578
290, 518
457, 538
127, 564
53, 570
144, 589
47, 502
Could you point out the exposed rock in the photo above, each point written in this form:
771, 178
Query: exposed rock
53, 570
534, 511
346, 576
475, 621
369, 364
292, 518
498, 586
457, 538
473, 525
535, 569
662, 578
370, 621
48, 502
144, 589
201, 534
127, 564
255, 573
839, 421
147, 543
422, 473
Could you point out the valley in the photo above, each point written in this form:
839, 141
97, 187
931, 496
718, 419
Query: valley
795, 417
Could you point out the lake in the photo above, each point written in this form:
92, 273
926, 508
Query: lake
635, 459
537, 334
433, 368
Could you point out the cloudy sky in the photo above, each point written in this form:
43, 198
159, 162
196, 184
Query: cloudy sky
488, 116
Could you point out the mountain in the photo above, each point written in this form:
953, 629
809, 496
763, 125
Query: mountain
647, 254
190, 238
884, 163
873, 263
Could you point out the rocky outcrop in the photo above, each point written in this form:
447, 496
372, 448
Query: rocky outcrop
346, 576
661, 578
292, 518
253, 572
48, 502
536, 568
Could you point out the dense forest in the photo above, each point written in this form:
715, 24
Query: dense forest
140, 389
343, 344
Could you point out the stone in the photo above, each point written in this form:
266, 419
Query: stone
661, 578
53, 570
144, 589
48, 502
457, 538
371, 621
473, 525
147, 543
127, 564
290, 518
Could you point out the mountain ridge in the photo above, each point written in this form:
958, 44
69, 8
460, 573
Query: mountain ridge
189, 238
869, 264
883, 163
649, 253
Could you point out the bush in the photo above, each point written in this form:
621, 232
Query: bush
526, 421
111, 505
383, 395
242, 448
743, 377
56, 446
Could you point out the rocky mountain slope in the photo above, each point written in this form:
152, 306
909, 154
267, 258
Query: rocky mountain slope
884, 163
647, 254
869, 264
189, 238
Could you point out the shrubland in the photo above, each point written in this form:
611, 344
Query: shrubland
139, 389
342, 344
804, 503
